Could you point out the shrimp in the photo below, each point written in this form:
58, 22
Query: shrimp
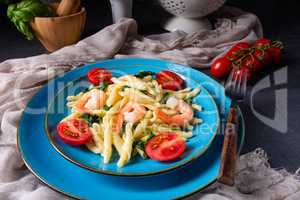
90, 101
131, 112
184, 116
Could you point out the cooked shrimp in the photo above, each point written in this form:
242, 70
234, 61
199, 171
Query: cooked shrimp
90, 101
184, 116
131, 112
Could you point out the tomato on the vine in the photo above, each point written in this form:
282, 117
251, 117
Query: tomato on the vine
233, 51
263, 56
248, 59
252, 63
276, 54
263, 42
221, 67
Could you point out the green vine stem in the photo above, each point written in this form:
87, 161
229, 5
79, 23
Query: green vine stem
238, 57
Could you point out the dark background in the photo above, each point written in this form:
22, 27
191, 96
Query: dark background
280, 19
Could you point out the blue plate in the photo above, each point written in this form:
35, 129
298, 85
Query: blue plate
203, 133
55, 171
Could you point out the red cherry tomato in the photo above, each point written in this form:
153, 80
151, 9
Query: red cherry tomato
263, 56
232, 54
263, 42
169, 80
165, 146
276, 54
74, 132
98, 75
221, 67
252, 63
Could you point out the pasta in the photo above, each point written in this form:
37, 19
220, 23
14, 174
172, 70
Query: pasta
133, 111
107, 147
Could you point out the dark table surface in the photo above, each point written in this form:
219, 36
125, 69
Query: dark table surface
280, 19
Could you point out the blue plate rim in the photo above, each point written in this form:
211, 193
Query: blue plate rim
23, 156
181, 164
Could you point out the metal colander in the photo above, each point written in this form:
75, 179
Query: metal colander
191, 8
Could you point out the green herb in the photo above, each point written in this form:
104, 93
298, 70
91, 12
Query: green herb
21, 14
134, 152
141, 153
143, 74
144, 92
101, 86
139, 148
150, 131
86, 90
148, 135
175, 128
114, 155
166, 96
134, 126
123, 129
105, 107
189, 100
90, 119
125, 87
140, 144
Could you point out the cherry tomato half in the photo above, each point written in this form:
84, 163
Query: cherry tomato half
98, 75
169, 80
165, 146
74, 132
221, 67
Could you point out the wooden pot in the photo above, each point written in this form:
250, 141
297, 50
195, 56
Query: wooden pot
57, 32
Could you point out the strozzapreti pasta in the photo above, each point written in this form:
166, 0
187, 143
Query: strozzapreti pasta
124, 113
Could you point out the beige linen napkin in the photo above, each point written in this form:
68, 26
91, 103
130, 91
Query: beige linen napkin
21, 78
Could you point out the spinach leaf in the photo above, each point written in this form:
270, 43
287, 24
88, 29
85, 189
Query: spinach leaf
105, 107
189, 100
90, 119
140, 144
101, 86
143, 74
126, 86
139, 148
166, 96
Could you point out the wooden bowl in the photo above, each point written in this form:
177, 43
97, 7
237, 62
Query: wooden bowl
57, 32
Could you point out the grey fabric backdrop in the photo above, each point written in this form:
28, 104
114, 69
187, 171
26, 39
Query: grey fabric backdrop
281, 20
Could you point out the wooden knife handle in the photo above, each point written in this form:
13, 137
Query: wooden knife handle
229, 150
68, 7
